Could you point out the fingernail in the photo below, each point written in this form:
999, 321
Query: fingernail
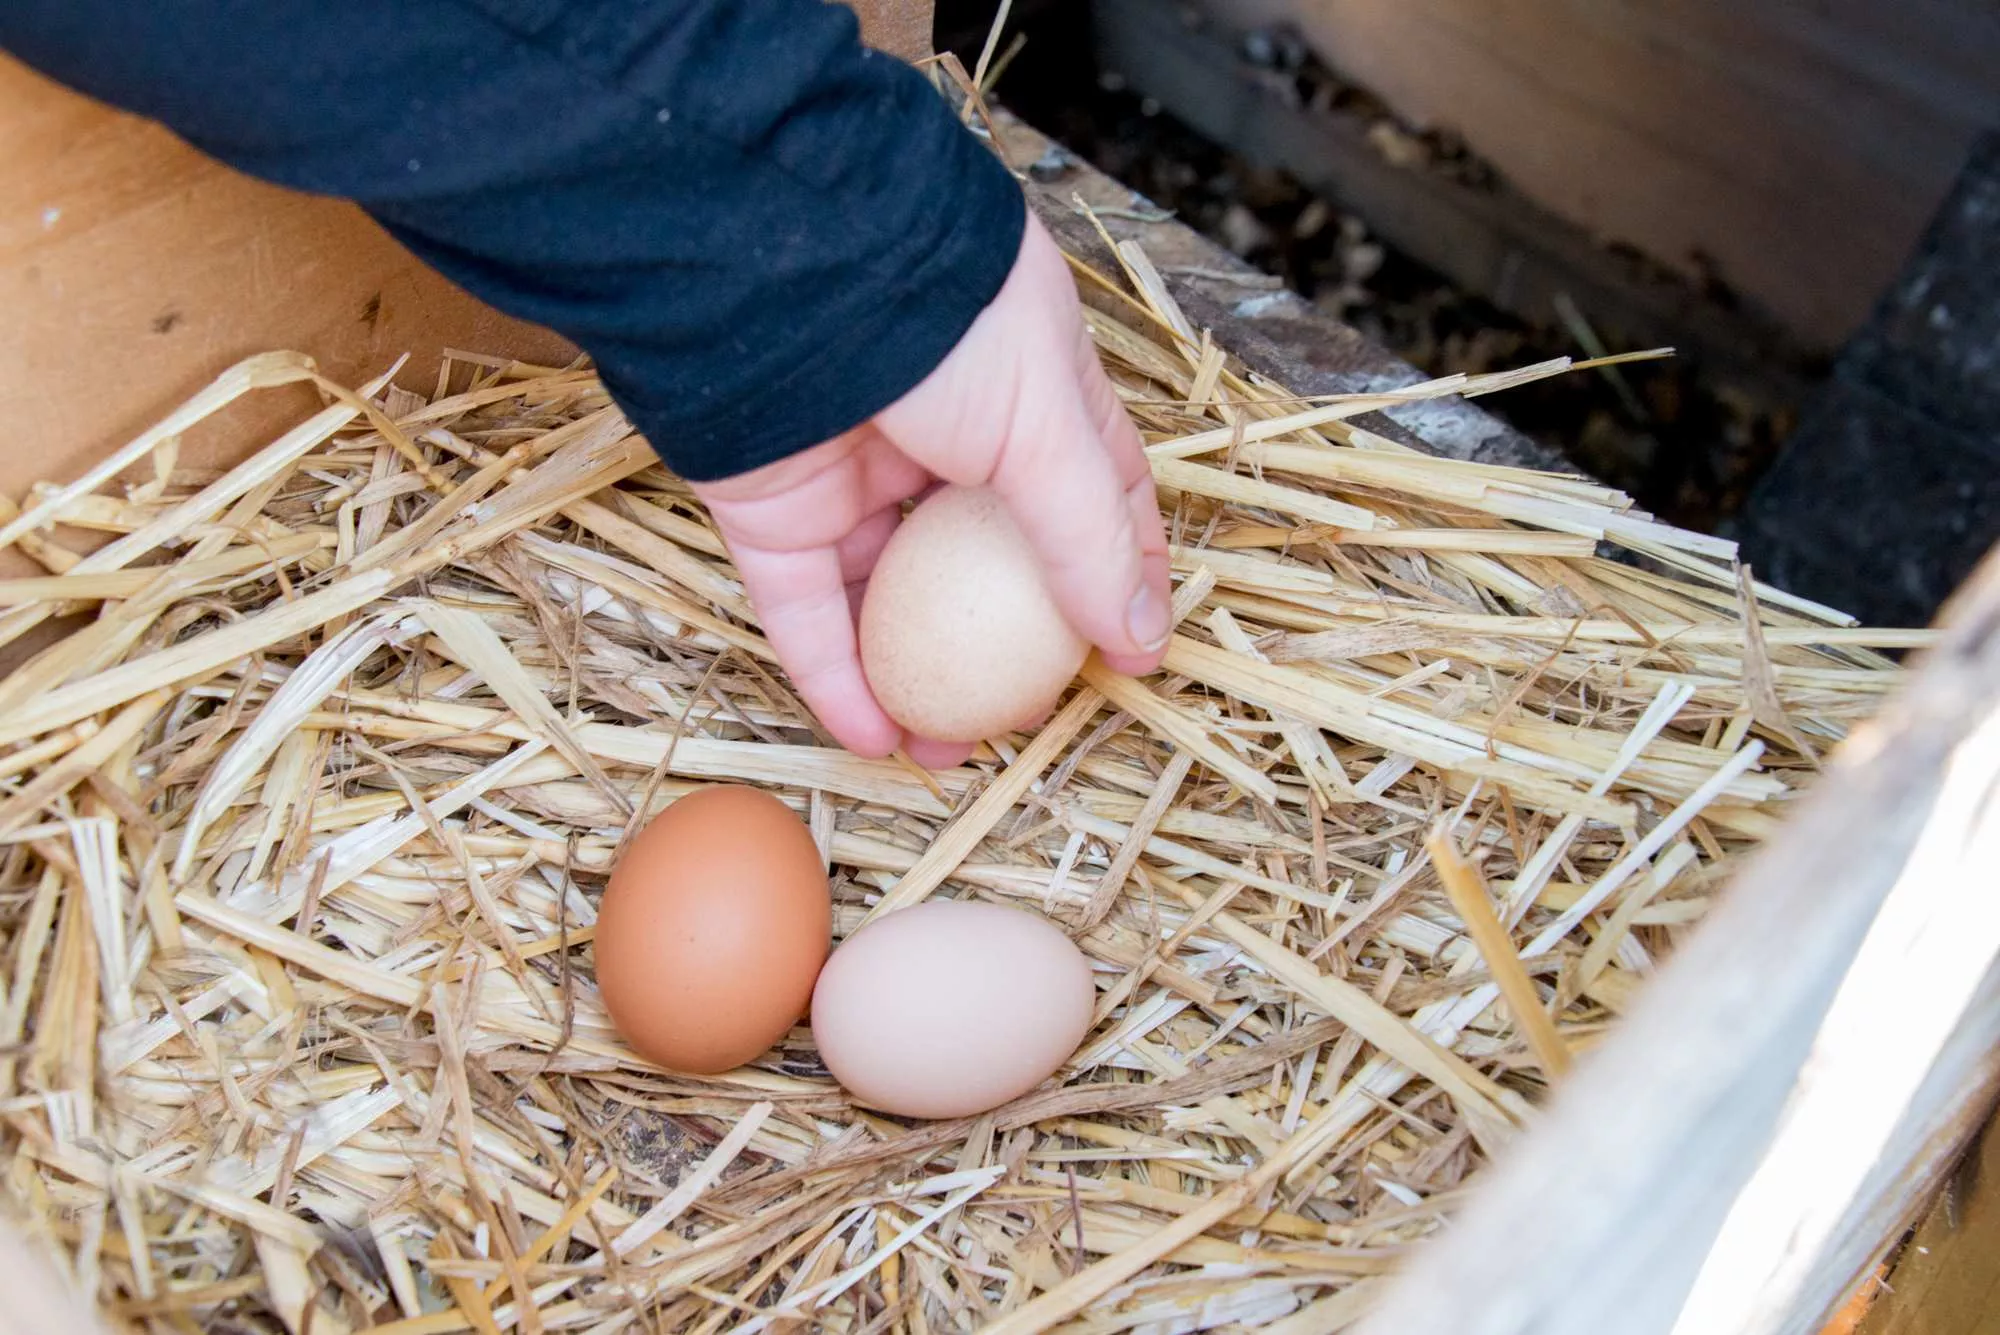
1148, 619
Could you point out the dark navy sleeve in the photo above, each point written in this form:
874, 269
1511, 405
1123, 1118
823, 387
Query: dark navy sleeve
761, 231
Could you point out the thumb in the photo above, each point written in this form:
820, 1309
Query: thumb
1065, 494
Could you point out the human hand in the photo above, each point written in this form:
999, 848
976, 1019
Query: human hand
1021, 405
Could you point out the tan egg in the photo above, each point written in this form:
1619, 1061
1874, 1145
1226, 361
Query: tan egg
713, 929
949, 1009
960, 638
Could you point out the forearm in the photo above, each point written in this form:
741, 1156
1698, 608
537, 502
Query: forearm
762, 232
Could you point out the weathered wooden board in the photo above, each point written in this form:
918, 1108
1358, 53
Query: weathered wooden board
1486, 237
1794, 150
1275, 331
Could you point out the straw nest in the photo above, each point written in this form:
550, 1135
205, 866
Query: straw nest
301, 839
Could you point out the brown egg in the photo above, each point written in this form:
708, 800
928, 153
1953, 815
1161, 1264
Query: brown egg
960, 638
949, 1009
712, 930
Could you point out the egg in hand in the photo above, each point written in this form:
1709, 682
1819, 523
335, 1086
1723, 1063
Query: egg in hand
961, 639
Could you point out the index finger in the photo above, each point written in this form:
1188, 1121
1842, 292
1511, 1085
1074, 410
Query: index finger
801, 598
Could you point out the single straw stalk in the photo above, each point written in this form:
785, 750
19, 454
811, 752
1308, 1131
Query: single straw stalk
1467, 889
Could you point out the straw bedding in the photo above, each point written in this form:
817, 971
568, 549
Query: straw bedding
303, 833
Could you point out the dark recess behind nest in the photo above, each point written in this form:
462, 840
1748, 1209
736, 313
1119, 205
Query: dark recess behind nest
1890, 491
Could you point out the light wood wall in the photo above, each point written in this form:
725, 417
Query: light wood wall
1793, 148
900, 27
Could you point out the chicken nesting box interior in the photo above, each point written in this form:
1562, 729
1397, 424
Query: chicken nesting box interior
302, 868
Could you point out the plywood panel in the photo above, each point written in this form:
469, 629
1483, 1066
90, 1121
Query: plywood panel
1795, 150
132, 269
900, 27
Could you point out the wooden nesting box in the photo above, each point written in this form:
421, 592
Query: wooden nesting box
1746, 1148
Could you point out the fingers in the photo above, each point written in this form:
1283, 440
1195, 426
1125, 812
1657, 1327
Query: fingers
863, 545
804, 533
807, 601
861, 549
801, 598
1114, 425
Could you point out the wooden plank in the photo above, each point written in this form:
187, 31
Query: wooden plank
132, 269
1948, 1279
900, 27
1274, 332
1796, 150
1794, 1080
